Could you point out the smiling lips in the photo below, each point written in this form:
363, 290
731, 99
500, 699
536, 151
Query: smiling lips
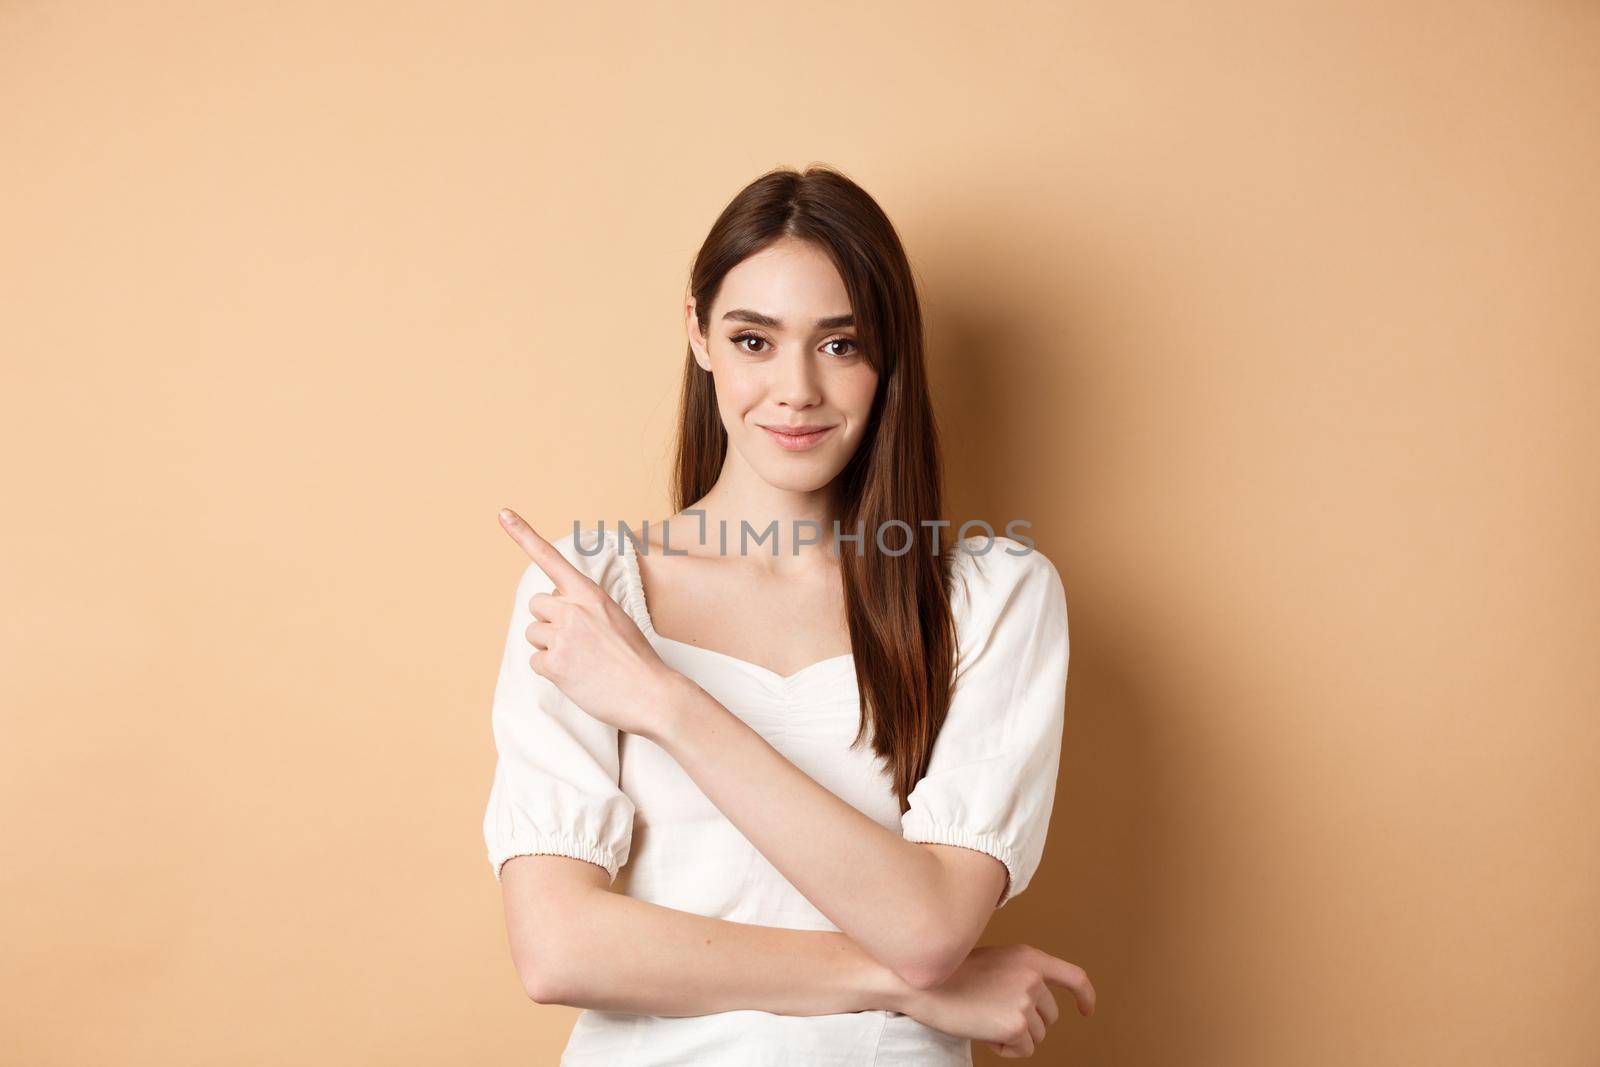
797, 438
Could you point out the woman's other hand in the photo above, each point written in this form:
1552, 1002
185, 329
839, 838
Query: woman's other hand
1000, 995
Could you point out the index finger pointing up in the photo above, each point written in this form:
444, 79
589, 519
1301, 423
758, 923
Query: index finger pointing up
567, 578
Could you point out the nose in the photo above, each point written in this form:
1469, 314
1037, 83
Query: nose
798, 386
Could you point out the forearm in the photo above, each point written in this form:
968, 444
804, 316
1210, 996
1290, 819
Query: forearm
884, 892
638, 957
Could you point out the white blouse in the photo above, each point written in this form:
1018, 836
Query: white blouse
567, 784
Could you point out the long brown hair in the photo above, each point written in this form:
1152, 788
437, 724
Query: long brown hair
898, 606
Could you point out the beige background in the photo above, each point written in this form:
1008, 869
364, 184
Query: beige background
1278, 320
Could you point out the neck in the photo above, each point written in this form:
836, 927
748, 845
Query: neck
747, 506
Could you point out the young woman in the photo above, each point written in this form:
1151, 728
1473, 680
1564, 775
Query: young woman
756, 800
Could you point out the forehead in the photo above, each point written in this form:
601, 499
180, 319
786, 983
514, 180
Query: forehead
789, 279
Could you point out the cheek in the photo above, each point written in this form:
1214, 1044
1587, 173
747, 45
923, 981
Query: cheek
737, 392
858, 393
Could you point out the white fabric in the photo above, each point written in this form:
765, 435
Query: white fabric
567, 784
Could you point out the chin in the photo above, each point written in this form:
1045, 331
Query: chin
797, 481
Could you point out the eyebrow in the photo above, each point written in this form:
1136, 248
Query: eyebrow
758, 319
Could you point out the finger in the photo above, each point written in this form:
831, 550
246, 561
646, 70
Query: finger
1049, 1010
1035, 1025
540, 634
558, 568
1059, 972
1022, 1046
547, 607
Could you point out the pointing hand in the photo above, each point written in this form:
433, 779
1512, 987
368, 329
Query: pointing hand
588, 646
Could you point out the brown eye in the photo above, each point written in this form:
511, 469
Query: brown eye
743, 337
844, 341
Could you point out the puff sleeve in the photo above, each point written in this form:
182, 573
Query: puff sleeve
556, 782
991, 778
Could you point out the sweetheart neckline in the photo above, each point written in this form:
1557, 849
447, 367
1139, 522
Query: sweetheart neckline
635, 578
758, 668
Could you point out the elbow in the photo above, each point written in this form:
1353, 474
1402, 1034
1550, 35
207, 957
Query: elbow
543, 970
929, 972
540, 987
939, 946
541, 981
938, 956
548, 957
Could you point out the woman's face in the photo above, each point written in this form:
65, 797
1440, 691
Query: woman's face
784, 354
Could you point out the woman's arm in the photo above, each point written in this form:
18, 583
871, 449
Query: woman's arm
917, 908
916, 902
574, 941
